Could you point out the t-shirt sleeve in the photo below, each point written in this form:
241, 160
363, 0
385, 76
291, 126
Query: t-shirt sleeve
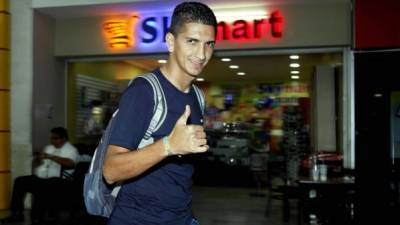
48, 149
71, 152
134, 115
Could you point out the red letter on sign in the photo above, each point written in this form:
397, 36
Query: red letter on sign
276, 24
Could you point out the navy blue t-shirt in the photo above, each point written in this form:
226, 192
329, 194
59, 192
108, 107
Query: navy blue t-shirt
163, 194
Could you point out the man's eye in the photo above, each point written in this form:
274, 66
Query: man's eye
191, 41
211, 44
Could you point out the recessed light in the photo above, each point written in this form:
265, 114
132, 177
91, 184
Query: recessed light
162, 61
234, 66
294, 57
225, 59
200, 79
294, 72
294, 65
241, 73
295, 77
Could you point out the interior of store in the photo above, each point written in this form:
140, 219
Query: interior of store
260, 124
259, 107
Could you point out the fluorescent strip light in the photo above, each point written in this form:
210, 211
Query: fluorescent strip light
294, 65
234, 66
295, 72
294, 57
295, 77
225, 59
241, 73
162, 61
200, 79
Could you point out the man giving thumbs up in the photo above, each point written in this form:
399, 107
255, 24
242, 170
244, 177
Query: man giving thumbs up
185, 138
157, 179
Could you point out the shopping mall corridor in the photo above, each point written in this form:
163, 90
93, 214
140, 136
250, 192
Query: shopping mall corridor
221, 206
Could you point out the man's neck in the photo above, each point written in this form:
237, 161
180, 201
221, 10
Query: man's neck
177, 78
60, 146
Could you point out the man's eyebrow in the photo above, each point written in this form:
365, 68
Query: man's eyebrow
192, 38
196, 39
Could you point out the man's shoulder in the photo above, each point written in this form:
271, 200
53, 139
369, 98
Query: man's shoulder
140, 80
49, 149
69, 147
139, 86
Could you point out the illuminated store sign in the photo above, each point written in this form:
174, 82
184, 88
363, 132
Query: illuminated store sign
250, 30
145, 33
120, 33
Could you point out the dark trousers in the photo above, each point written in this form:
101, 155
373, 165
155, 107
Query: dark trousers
44, 193
23, 185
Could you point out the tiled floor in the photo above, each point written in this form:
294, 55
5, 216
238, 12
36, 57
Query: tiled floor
237, 206
229, 205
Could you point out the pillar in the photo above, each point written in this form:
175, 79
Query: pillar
5, 172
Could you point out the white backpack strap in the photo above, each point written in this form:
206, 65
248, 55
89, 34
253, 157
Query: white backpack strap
160, 105
99, 153
200, 98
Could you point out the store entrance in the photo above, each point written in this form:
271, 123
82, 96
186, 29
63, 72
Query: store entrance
265, 113
281, 104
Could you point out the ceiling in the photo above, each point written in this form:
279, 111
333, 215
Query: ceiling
64, 10
267, 67
258, 68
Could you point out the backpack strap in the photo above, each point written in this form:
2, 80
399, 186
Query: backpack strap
200, 98
160, 105
100, 152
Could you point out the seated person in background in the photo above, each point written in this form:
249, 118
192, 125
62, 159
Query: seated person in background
57, 164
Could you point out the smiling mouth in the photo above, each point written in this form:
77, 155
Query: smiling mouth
198, 65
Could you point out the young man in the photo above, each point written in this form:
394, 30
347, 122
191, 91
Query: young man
57, 163
157, 178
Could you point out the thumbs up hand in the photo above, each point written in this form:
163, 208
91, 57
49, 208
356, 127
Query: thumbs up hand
185, 116
186, 139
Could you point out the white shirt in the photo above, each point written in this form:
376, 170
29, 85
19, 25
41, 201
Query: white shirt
49, 168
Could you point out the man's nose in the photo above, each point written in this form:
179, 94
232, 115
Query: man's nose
201, 52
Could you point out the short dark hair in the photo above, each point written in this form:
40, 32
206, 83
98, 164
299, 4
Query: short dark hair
60, 131
192, 12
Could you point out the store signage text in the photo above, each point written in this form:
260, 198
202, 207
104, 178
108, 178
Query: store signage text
150, 31
250, 30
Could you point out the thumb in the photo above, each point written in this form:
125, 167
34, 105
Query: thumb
183, 119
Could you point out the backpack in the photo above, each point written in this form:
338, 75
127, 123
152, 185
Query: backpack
100, 197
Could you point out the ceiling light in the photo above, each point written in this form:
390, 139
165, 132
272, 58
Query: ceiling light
234, 66
162, 61
294, 57
294, 65
225, 59
295, 77
200, 79
294, 72
378, 95
241, 73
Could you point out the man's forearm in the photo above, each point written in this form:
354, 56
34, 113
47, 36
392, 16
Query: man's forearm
64, 162
122, 164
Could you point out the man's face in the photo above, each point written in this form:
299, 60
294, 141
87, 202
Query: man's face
192, 47
56, 140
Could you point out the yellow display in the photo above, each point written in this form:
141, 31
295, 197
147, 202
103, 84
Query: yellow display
5, 167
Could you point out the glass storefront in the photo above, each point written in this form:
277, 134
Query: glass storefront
262, 107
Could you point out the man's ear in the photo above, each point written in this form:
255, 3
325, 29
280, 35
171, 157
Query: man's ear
170, 40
